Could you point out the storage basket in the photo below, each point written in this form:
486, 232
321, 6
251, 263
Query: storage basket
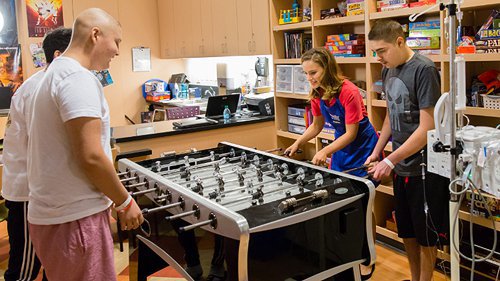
492, 102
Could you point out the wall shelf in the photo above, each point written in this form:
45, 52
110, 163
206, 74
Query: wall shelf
291, 96
286, 61
341, 20
401, 12
293, 26
379, 103
481, 111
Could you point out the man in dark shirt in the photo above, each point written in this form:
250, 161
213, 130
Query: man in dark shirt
411, 83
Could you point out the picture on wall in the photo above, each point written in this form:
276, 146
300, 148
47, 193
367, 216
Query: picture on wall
8, 25
11, 74
43, 16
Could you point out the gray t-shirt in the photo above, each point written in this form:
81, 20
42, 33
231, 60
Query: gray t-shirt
410, 87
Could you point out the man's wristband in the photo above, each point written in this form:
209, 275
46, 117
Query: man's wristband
389, 163
125, 205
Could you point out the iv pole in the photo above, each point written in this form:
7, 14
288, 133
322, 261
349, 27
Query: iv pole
453, 204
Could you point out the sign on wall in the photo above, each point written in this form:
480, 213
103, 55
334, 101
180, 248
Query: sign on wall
43, 16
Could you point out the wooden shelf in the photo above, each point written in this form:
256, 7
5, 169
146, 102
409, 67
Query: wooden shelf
293, 26
388, 233
388, 147
434, 58
364, 101
385, 189
292, 136
402, 12
478, 220
342, 60
481, 111
478, 4
326, 136
341, 20
379, 103
291, 96
480, 57
286, 61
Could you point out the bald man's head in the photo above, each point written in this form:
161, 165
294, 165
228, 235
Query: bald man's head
96, 38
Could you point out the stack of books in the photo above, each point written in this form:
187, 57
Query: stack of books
389, 5
296, 44
346, 45
424, 37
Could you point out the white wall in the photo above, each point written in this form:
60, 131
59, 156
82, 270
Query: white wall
204, 70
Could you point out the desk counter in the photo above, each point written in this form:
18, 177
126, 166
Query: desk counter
257, 131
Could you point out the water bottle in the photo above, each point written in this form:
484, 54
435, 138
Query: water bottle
226, 114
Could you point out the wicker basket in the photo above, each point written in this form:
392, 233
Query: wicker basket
492, 102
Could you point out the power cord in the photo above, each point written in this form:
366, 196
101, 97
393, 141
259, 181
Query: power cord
428, 217
469, 185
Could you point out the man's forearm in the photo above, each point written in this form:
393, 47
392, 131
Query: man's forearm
102, 175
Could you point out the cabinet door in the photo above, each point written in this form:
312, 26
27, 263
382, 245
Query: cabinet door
244, 12
261, 37
167, 35
225, 27
202, 35
182, 29
196, 32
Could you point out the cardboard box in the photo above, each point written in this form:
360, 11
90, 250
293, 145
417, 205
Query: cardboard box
385, 3
423, 43
344, 37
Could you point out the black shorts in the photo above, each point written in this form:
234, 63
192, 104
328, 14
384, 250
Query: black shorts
429, 229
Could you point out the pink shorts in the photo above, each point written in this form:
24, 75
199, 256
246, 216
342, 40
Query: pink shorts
77, 250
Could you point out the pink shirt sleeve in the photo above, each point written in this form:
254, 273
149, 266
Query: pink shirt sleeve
352, 102
315, 107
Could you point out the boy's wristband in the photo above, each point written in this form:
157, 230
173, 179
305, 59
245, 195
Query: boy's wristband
389, 163
125, 205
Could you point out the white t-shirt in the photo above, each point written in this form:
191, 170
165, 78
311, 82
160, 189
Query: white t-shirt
59, 190
15, 142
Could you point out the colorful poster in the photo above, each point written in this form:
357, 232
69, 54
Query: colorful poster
11, 75
38, 55
11, 72
43, 16
8, 26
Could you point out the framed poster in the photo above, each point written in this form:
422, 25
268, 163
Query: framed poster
8, 25
43, 16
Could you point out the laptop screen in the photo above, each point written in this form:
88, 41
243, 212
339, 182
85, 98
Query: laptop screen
216, 104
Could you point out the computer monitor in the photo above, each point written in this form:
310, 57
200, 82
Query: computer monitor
5, 98
216, 105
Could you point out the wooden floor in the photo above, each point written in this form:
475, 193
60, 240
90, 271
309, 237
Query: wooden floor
390, 265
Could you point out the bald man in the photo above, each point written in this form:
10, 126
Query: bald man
70, 171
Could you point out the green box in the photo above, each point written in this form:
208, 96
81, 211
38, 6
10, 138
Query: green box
496, 23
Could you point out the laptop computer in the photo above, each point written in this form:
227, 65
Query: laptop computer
216, 105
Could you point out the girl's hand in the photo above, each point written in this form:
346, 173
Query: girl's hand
290, 151
319, 158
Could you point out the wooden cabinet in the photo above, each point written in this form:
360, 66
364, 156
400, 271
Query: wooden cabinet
253, 27
225, 27
369, 69
206, 28
183, 28
167, 33
202, 24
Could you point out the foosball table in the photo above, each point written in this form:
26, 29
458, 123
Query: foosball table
283, 219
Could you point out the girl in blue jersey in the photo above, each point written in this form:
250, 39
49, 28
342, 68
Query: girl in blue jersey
337, 101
